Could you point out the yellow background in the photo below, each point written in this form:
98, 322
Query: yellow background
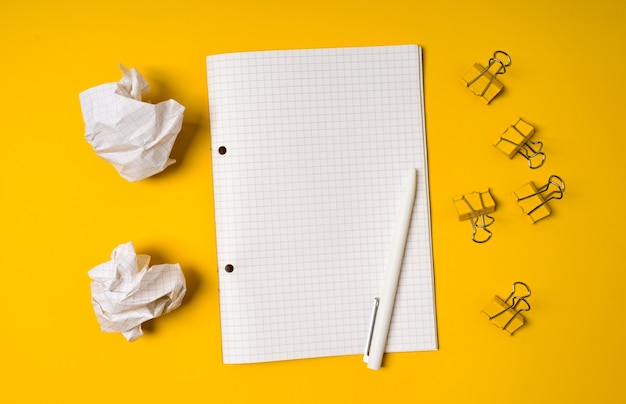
64, 209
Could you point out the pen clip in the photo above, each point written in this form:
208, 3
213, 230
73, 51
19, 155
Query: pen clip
370, 333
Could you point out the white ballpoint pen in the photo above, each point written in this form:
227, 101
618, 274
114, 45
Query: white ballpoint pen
383, 306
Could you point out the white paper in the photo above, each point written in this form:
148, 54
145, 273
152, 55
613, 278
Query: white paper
126, 292
136, 137
310, 151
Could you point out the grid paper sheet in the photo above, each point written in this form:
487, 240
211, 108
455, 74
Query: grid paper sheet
310, 149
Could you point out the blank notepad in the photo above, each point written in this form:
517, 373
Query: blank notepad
310, 149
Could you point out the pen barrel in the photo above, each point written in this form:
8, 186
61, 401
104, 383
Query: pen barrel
392, 272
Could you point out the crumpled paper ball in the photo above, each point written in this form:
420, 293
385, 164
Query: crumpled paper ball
126, 292
136, 137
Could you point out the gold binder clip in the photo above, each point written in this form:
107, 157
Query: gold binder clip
534, 201
483, 81
516, 140
506, 314
475, 206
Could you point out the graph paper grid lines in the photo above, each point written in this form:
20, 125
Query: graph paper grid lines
310, 149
